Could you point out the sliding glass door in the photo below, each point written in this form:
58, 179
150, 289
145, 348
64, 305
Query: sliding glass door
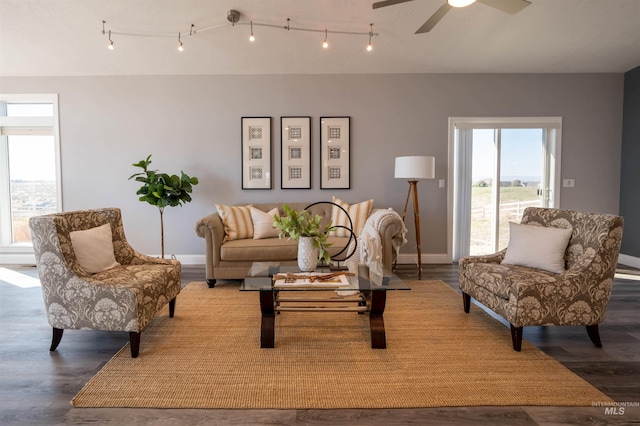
501, 167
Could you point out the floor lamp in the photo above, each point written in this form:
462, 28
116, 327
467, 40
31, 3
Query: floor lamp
413, 168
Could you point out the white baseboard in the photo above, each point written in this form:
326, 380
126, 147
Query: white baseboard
411, 259
199, 259
17, 259
627, 260
192, 259
187, 259
30, 259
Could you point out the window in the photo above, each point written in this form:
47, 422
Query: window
501, 166
30, 166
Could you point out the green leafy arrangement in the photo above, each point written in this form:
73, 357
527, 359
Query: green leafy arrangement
162, 190
295, 224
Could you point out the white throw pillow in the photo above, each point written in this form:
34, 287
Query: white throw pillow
359, 214
94, 248
537, 247
237, 222
263, 223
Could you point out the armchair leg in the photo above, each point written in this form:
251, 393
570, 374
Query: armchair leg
516, 337
172, 307
57, 336
134, 342
211, 283
594, 335
466, 302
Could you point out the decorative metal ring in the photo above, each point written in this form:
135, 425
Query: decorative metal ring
352, 235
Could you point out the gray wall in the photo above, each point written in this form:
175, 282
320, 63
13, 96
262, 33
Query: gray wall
193, 123
630, 175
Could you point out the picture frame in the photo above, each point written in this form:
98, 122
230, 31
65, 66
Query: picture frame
295, 150
256, 153
335, 152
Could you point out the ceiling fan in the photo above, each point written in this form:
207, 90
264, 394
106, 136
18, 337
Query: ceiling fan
509, 6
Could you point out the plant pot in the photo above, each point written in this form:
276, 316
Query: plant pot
307, 254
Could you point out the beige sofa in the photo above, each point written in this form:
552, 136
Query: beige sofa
232, 259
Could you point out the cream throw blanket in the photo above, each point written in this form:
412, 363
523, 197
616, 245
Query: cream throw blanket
369, 250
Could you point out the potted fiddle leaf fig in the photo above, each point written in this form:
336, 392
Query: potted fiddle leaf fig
162, 190
311, 236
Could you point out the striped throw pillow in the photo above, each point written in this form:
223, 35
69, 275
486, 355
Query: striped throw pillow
358, 212
237, 222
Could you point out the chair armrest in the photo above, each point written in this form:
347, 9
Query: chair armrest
487, 258
141, 259
70, 299
211, 229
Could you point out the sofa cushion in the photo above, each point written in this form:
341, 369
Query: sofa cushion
94, 248
263, 223
259, 250
236, 221
270, 249
537, 247
358, 212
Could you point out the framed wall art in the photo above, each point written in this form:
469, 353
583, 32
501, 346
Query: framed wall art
256, 152
295, 144
335, 147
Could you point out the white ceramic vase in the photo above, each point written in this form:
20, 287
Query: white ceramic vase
307, 254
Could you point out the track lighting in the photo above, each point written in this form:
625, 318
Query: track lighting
460, 3
233, 18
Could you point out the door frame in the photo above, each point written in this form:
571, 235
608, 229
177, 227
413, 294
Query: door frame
554, 165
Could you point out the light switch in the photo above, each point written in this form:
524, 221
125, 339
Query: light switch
441, 183
568, 183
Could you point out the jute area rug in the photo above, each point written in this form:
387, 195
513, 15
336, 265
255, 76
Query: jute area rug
209, 356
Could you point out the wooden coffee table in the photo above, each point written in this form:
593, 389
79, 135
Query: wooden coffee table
364, 294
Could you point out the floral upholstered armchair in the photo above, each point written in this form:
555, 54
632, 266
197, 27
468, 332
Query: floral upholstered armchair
574, 291
93, 279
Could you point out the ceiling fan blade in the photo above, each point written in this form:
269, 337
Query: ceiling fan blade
388, 3
435, 18
509, 6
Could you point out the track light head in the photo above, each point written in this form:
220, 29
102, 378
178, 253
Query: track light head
110, 46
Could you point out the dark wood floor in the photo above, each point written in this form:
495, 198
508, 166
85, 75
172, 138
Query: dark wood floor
36, 385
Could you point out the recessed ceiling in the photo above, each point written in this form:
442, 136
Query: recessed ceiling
64, 38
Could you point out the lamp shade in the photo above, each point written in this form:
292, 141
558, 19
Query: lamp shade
415, 167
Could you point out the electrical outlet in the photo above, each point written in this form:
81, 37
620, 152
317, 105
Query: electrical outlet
441, 183
568, 183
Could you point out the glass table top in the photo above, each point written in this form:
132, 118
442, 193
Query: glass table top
260, 278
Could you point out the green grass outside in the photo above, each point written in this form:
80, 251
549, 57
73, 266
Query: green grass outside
513, 200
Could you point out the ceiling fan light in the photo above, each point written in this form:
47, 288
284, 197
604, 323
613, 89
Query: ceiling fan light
460, 3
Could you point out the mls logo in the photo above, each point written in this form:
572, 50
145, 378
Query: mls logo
614, 411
